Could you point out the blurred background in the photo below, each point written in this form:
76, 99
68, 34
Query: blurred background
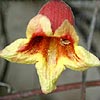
14, 17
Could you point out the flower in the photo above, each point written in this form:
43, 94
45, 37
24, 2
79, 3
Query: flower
51, 44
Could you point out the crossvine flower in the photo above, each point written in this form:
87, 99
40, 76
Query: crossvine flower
51, 44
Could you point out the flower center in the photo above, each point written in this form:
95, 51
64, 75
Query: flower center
64, 42
49, 47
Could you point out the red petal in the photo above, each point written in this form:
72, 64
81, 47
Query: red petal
57, 11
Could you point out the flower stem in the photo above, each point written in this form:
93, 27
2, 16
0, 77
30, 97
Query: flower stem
60, 88
6, 40
83, 96
89, 43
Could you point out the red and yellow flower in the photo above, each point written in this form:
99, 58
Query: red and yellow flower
51, 44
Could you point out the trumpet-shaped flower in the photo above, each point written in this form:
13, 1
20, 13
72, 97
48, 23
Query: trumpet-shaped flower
51, 44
